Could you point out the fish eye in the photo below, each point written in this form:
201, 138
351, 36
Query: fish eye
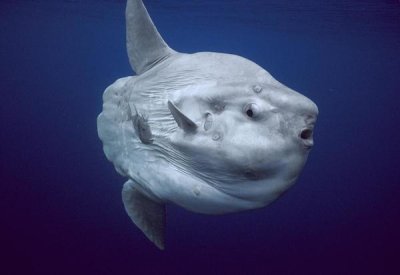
251, 110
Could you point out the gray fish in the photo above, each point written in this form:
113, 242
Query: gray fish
219, 134
140, 124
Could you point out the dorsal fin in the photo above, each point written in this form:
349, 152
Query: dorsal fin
144, 44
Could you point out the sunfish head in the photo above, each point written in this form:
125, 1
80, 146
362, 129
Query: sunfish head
241, 130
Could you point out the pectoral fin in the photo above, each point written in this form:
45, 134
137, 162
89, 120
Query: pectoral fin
145, 213
181, 119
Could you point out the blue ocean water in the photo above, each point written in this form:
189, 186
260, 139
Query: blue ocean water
60, 198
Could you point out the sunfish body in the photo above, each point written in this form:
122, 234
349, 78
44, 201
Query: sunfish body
214, 133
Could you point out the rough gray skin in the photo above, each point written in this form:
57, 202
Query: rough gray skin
214, 133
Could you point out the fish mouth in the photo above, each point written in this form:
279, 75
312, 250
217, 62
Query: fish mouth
306, 137
306, 134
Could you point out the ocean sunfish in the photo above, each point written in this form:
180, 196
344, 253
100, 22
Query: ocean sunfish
211, 132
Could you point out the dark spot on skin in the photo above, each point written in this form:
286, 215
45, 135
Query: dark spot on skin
251, 175
216, 136
257, 89
219, 107
217, 104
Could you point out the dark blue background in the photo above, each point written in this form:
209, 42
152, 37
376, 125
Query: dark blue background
61, 210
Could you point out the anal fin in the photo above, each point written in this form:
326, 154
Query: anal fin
145, 213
